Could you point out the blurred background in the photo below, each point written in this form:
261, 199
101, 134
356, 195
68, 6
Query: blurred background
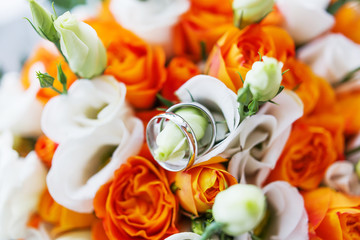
18, 38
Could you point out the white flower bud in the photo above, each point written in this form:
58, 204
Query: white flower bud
81, 46
172, 142
251, 11
240, 208
264, 79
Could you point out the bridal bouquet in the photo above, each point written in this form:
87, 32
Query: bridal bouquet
185, 120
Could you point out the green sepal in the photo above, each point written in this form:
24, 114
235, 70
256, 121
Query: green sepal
45, 79
164, 101
62, 77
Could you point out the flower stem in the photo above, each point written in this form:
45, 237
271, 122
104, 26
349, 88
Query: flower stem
211, 230
56, 90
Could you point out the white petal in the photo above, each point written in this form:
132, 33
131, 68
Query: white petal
74, 177
88, 105
301, 14
21, 184
184, 236
151, 20
76, 235
341, 176
331, 56
17, 104
288, 214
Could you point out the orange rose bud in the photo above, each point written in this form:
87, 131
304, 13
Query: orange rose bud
49, 59
62, 218
133, 62
335, 211
45, 149
308, 152
200, 28
347, 21
137, 203
179, 71
197, 187
237, 50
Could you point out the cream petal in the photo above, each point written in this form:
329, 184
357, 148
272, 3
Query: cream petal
88, 105
300, 14
152, 20
331, 56
17, 104
288, 214
341, 176
76, 235
76, 173
184, 236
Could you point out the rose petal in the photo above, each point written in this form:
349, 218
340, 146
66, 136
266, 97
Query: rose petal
75, 175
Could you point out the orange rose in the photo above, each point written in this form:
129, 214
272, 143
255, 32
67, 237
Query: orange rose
49, 58
198, 186
137, 203
237, 50
133, 62
45, 149
62, 218
332, 215
179, 71
348, 105
347, 21
200, 28
303, 81
310, 149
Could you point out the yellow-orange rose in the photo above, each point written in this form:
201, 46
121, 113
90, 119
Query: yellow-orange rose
62, 218
198, 186
237, 50
348, 105
332, 215
137, 203
133, 62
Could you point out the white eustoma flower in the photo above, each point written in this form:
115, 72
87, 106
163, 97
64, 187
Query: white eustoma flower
240, 208
21, 183
332, 56
152, 20
251, 11
81, 46
341, 176
76, 235
184, 236
288, 218
88, 105
260, 139
17, 104
305, 19
221, 101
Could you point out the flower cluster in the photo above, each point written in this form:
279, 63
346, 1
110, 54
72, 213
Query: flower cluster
184, 120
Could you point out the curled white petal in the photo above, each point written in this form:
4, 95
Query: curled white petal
77, 172
21, 184
89, 104
341, 176
262, 138
288, 215
331, 56
151, 20
17, 104
220, 100
184, 236
305, 19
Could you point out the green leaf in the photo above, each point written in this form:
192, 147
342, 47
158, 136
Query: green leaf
285, 71
164, 101
62, 78
281, 88
45, 79
333, 8
68, 4
203, 50
242, 80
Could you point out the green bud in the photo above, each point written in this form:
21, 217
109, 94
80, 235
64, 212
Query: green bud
43, 22
171, 140
357, 169
240, 208
45, 79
